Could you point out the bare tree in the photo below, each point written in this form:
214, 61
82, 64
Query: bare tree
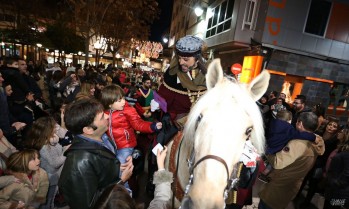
88, 17
127, 22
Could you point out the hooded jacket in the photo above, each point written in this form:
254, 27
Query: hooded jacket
122, 126
25, 190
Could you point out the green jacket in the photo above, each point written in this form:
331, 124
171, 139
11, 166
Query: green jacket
88, 169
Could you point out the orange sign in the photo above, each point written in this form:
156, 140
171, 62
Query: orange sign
251, 68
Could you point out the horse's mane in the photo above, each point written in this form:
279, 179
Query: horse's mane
226, 102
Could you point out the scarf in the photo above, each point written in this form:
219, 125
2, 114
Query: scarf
197, 84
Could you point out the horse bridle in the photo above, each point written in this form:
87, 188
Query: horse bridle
232, 180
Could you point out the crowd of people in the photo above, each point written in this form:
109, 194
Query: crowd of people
301, 145
72, 135
43, 152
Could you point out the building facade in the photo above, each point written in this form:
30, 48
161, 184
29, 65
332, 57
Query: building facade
305, 43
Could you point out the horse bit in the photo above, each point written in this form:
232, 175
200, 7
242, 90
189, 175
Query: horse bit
232, 180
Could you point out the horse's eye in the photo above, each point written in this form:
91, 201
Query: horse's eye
248, 131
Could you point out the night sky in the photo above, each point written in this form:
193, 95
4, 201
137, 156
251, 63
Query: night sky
161, 26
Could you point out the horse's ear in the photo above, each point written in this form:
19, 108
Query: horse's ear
259, 85
214, 73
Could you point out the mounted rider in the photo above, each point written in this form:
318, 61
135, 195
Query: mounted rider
184, 80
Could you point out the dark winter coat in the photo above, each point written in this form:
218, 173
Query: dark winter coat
337, 184
280, 133
88, 169
19, 86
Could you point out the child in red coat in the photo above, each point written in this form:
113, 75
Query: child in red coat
123, 122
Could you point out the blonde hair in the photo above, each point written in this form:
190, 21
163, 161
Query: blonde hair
19, 161
86, 87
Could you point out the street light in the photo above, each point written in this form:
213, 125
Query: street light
165, 40
117, 56
2, 47
198, 11
79, 53
39, 49
56, 52
97, 46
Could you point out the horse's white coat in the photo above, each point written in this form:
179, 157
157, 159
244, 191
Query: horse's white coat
228, 109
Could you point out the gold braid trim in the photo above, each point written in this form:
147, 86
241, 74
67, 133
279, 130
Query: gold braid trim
232, 196
188, 93
144, 95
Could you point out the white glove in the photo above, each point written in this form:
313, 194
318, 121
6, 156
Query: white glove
154, 105
39, 104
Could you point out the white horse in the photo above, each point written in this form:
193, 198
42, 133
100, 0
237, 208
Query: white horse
215, 134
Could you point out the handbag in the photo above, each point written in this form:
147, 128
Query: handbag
169, 129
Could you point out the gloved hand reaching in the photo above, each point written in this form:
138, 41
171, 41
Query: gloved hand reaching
156, 126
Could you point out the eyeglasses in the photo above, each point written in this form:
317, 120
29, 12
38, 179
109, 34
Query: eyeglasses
296, 103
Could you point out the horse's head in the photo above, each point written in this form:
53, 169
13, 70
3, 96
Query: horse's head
217, 128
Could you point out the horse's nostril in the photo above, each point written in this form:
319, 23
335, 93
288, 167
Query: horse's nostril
186, 203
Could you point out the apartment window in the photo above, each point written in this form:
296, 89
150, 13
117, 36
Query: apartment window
221, 18
250, 14
318, 16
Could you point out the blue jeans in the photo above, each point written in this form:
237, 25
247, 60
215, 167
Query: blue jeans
122, 155
262, 205
50, 197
